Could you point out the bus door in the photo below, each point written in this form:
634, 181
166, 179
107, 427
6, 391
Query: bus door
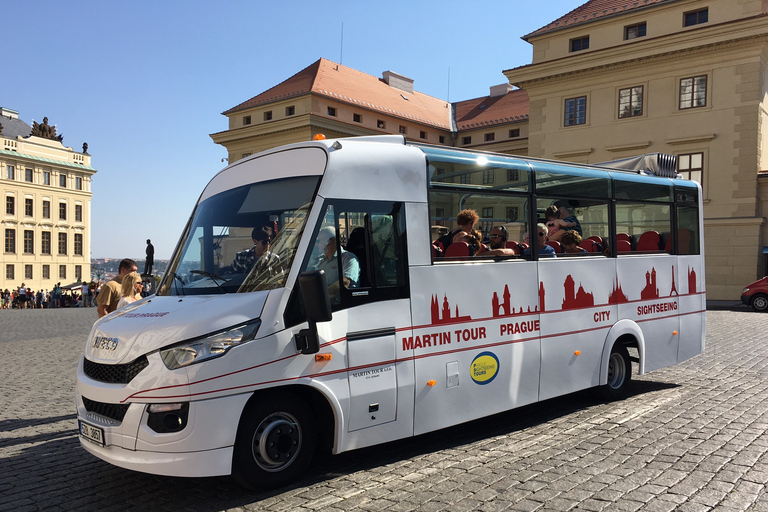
369, 299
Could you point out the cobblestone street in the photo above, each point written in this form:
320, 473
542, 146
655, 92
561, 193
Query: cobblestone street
691, 438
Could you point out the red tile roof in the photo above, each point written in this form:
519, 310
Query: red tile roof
593, 10
342, 83
492, 110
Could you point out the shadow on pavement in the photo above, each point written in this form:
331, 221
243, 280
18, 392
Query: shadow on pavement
58, 471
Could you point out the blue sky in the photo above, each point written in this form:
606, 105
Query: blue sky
144, 82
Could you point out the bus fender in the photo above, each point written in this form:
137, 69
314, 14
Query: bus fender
623, 327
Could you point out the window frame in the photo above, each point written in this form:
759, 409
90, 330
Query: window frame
10, 241
78, 244
575, 118
29, 241
29, 207
631, 90
577, 44
62, 211
62, 245
10, 205
692, 104
641, 25
45, 242
698, 20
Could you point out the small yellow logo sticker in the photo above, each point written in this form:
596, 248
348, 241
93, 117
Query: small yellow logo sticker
484, 368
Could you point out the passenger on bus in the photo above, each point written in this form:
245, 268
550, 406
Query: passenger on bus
497, 242
326, 244
566, 215
556, 225
544, 249
571, 240
466, 220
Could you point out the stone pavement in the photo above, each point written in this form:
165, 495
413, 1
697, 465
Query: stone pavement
690, 438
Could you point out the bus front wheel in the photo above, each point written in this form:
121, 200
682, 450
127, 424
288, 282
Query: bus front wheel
275, 441
619, 373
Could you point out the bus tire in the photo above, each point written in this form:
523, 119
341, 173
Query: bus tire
759, 303
619, 373
275, 441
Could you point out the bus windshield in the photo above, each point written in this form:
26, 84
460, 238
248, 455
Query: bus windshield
241, 240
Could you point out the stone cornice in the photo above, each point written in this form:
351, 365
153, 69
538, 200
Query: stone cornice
629, 147
690, 140
573, 153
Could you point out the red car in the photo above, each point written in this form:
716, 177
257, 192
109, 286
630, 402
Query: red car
755, 295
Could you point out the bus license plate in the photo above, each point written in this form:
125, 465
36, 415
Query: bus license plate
91, 433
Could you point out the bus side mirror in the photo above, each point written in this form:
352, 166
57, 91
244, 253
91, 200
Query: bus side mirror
317, 305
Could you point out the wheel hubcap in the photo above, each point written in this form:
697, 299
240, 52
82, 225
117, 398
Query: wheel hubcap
276, 441
617, 371
761, 303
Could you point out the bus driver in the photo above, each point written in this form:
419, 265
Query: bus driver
326, 244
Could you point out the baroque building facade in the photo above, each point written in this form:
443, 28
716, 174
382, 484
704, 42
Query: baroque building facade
46, 189
608, 80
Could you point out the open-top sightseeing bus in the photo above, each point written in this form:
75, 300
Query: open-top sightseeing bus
249, 373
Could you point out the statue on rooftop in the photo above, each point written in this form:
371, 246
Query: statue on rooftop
45, 130
85, 148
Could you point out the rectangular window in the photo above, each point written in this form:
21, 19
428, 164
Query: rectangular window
246, 120
357, 118
514, 133
10, 240
513, 175
10, 205
381, 124
580, 43
78, 272
62, 211
63, 180
691, 166
331, 111
78, 244
289, 111
693, 92
631, 101
486, 213
422, 135
28, 175
488, 176
29, 209
45, 242
575, 111
513, 213
695, 17
46, 209
441, 139
268, 115
466, 140
490, 137
9, 272
62, 271
46, 177
46, 271
403, 130
78, 213
634, 31
29, 241
27, 271
78, 183
9, 172
63, 244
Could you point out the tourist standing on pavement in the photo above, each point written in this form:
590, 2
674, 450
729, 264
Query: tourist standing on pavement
110, 294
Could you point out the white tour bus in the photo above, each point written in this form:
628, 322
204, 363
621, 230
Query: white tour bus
246, 370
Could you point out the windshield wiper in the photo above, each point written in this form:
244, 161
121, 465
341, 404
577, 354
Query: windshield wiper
176, 287
212, 277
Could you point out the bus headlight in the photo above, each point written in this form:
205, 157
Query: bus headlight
208, 347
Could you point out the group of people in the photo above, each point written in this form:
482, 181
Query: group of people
25, 298
561, 226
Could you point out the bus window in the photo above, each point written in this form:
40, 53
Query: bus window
588, 218
647, 224
570, 181
492, 209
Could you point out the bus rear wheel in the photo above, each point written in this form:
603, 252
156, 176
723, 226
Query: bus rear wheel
619, 373
275, 441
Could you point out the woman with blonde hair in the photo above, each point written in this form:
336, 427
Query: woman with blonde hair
132, 286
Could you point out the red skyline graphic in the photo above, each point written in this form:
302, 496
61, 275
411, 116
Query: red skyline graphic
574, 299
445, 317
579, 299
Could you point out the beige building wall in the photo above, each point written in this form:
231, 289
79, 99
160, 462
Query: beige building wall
729, 50
49, 162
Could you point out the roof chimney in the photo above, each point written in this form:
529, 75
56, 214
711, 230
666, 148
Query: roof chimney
6, 112
398, 81
501, 90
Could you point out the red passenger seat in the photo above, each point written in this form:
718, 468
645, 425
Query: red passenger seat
623, 246
649, 241
457, 250
557, 246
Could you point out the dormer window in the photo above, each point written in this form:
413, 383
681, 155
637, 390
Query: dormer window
331, 111
580, 43
268, 115
246, 120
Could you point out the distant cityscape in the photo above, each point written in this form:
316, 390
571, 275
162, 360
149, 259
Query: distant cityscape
106, 268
